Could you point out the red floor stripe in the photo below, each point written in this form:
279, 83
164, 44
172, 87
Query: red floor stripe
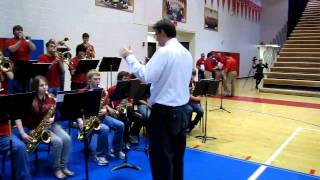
273, 101
312, 171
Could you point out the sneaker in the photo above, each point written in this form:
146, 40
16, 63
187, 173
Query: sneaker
126, 146
102, 161
120, 155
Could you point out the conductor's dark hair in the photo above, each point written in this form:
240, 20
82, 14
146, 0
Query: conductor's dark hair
85, 35
167, 27
80, 48
209, 54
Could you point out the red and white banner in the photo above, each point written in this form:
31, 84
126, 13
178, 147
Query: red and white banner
246, 8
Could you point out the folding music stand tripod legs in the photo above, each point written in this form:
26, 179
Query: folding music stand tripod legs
221, 97
204, 137
83, 105
125, 89
206, 87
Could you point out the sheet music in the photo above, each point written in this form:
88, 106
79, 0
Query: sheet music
60, 98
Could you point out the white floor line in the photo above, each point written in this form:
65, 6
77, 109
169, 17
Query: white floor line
260, 170
309, 129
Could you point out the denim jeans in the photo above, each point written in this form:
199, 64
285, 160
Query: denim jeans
144, 111
20, 156
102, 144
195, 107
118, 127
60, 147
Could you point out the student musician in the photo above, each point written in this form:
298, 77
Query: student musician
194, 104
5, 75
56, 67
79, 80
43, 110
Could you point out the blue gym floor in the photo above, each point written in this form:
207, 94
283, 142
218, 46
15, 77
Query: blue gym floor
199, 165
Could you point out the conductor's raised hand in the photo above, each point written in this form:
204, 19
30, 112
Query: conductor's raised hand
124, 52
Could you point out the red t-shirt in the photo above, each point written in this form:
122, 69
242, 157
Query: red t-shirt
231, 64
77, 78
210, 64
22, 53
39, 110
4, 129
53, 74
114, 104
200, 62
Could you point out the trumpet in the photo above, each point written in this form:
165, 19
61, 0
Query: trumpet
6, 64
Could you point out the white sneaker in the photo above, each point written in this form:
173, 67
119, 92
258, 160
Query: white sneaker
121, 155
102, 161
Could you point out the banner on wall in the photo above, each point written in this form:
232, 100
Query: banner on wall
246, 8
175, 10
125, 5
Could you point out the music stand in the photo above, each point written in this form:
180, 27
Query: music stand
123, 90
109, 64
86, 65
143, 92
84, 104
221, 97
14, 107
206, 87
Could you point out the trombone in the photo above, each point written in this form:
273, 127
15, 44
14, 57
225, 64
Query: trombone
6, 64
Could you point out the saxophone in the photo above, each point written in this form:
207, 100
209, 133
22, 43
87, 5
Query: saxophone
41, 132
93, 123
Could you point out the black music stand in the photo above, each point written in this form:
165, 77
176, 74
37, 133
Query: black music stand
123, 90
25, 70
86, 65
84, 104
14, 107
221, 97
143, 93
109, 64
206, 87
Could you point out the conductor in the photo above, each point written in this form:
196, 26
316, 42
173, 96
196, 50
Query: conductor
169, 72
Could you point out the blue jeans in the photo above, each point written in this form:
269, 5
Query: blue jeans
60, 147
54, 90
118, 127
102, 144
20, 156
144, 111
194, 107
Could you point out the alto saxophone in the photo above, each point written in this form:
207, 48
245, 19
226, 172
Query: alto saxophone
93, 123
41, 132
